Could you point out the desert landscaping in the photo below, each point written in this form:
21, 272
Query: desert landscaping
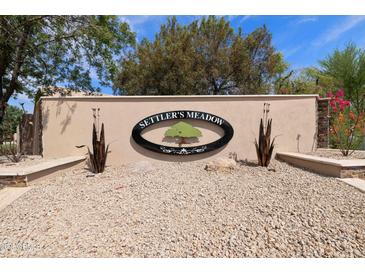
165, 209
210, 136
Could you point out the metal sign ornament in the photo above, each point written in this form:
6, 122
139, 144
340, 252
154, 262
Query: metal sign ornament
178, 115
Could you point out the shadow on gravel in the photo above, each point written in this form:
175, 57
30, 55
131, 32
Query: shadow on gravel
247, 163
252, 163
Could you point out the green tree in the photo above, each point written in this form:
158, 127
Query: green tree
11, 121
183, 130
204, 57
46, 50
347, 68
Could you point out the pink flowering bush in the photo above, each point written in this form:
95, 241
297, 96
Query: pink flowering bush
337, 102
347, 127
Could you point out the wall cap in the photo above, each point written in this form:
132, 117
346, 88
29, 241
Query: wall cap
128, 97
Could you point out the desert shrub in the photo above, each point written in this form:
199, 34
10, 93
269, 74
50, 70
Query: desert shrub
347, 124
9, 151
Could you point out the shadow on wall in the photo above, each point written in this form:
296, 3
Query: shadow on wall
45, 118
65, 122
70, 111
313, 148
314, 144
298, 142
315, 141
171, 158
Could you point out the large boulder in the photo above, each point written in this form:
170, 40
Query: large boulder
221, 164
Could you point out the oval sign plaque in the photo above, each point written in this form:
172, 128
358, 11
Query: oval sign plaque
179, 115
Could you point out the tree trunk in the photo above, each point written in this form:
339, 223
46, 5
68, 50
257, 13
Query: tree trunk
26, 134
182, 141
2, 109
2, 114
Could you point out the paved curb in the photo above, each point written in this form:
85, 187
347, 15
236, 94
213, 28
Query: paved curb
351, 168
20, 176
355, 182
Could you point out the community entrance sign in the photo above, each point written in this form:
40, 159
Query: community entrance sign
182, 130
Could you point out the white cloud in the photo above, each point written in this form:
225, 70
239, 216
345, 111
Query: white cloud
241, 18
289, 52
134, 21
137, 22
244, 18
307, 19
335, 32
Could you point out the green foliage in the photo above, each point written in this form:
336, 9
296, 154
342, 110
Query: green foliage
346, 131
306, 81
347, 125
204, 57
182, 129
343, 69
46, 50
347, 68
12, 119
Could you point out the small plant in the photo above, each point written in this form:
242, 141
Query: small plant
99, 153
264, 147
10, 151
347, 126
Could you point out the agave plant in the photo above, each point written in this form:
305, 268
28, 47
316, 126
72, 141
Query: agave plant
264, 147
99, 152
97, 158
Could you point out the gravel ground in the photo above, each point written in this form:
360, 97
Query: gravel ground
181, 210
336, 154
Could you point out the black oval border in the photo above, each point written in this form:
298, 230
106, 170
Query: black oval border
227, 128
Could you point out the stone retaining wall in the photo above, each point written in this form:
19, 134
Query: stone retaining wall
353, 172
323, 123
17, 181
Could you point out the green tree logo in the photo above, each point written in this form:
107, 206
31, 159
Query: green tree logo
183, 130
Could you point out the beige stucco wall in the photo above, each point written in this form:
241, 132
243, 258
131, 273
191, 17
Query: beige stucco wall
67, 122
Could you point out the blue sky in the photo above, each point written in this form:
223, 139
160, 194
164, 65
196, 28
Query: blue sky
303, 40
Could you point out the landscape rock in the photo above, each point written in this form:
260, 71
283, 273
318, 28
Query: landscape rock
221, 164
141, 167
180, 210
